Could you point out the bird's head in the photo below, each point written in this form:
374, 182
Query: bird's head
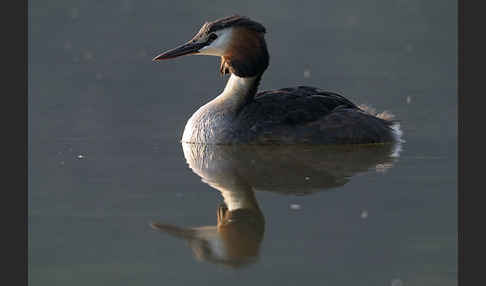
238, 40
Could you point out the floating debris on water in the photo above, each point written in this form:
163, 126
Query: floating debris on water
80, 156
364, 214
307, 178
295, 207
409, 99
396, 282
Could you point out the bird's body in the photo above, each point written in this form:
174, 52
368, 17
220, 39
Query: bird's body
295, 115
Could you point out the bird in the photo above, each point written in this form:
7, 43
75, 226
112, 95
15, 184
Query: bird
293, 115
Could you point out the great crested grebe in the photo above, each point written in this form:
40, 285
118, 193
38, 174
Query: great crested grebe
291, 115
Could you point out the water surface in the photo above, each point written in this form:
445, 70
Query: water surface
106, 166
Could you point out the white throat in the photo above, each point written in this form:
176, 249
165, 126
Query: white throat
236, 91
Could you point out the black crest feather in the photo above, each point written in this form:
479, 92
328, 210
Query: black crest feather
235, 21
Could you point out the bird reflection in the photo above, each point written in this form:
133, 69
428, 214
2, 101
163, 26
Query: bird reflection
237, 171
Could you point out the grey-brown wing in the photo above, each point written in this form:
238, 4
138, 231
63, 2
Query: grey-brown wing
295, 105
307, 114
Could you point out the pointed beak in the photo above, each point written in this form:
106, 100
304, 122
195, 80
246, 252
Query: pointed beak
182, 50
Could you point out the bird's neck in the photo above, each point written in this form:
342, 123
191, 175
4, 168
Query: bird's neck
238, 91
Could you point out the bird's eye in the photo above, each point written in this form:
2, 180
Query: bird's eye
212, 37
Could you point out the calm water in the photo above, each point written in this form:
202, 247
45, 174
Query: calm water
115, 199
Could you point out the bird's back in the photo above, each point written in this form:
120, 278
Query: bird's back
307, 115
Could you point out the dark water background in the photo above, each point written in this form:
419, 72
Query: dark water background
105, 158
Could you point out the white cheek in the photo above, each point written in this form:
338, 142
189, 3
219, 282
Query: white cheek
219, 46
210, 51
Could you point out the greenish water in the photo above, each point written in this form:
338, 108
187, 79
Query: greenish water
105, 160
